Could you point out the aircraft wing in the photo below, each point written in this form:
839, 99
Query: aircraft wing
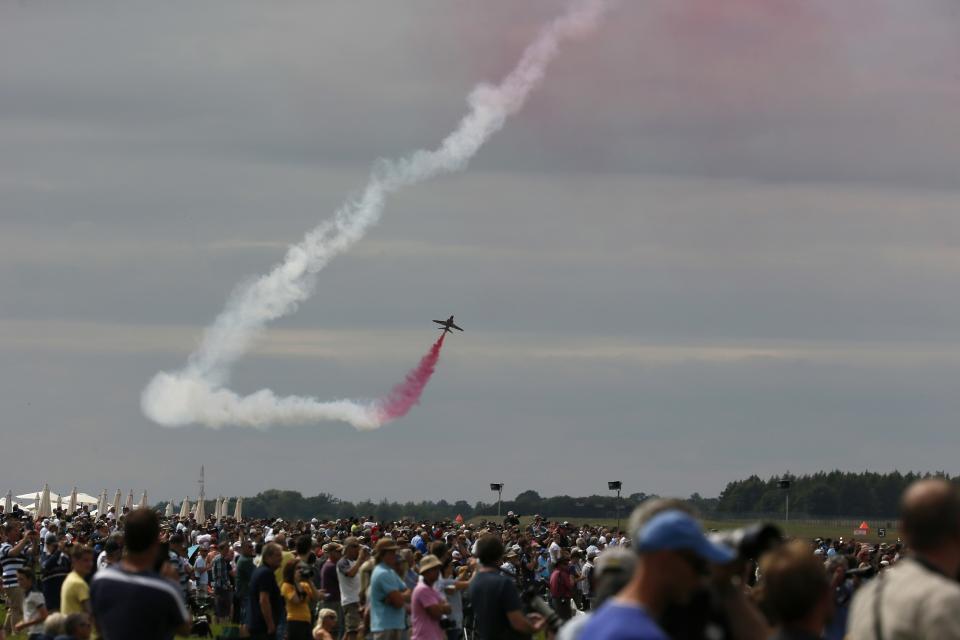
455, 327
440, 321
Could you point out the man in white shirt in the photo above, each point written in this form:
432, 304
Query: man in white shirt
348, 574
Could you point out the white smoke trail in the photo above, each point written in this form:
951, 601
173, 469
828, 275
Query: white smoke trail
195, 394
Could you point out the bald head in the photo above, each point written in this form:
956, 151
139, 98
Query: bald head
930, 514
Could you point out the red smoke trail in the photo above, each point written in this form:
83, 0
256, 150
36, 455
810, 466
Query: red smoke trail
406, 394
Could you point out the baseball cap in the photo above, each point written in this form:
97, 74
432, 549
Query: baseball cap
675, 530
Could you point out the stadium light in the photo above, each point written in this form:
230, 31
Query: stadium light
616, 485
785, 485
498, 487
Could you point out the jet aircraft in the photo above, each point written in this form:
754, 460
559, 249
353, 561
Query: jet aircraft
447, 324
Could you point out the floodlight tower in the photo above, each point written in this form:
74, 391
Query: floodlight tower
498, 487
616, 485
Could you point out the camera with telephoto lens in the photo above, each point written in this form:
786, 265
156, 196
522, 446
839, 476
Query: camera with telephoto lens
864, 572
752, 541
532, 599
448, 624
306, 570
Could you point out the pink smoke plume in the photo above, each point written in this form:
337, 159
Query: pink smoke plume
405, 395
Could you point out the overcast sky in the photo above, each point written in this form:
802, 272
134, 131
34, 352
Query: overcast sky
721, 239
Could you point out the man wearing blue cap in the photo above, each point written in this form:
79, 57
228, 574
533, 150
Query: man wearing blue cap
673, 558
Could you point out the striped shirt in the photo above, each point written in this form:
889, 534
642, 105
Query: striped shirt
144, 605
10, 564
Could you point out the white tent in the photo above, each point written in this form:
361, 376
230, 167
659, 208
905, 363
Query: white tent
225, 509
200, 515
45, 510
86, 498
219, 513
185, 508
116, 503
72, 508
8, 502
143, 500
36, 503
36, 497
169, 511
129, 504
60, 503
102, 503
238, 510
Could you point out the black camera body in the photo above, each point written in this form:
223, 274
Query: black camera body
306, 570
531, 597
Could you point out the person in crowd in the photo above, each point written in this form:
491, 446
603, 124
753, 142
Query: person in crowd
919, 597
348, 579
201, 570
77, 626
244, 572
54, 568
130, 599
612, 572
222, 583
427, 605
75, 592
388, 594
453, 586
796, 592
298, 596
673, 557
326, 628
53, 625
34, 608
265, 604
498, 612
329, 580
111, 553
15, 554
178, 558
562, 585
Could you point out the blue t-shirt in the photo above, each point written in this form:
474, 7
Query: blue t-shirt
617, 621
383, 617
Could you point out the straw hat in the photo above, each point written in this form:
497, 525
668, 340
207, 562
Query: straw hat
428, 562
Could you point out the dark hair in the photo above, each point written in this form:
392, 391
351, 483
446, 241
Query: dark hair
73, 623
288, 570
79, 551
303, 545
794, 581
142, 530
929, 522
489, 550
177, 538
27, 573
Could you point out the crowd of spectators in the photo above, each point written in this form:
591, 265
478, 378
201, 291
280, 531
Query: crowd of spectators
135, 574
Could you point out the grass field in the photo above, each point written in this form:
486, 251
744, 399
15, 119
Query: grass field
795, 528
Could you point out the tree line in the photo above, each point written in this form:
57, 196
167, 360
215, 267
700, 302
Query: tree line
825, 493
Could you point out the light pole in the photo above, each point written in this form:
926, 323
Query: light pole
785, 485
616, 485
498, 487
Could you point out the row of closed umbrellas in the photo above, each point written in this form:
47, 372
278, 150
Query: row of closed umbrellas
43, 504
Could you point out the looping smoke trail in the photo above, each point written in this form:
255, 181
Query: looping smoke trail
196, 394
